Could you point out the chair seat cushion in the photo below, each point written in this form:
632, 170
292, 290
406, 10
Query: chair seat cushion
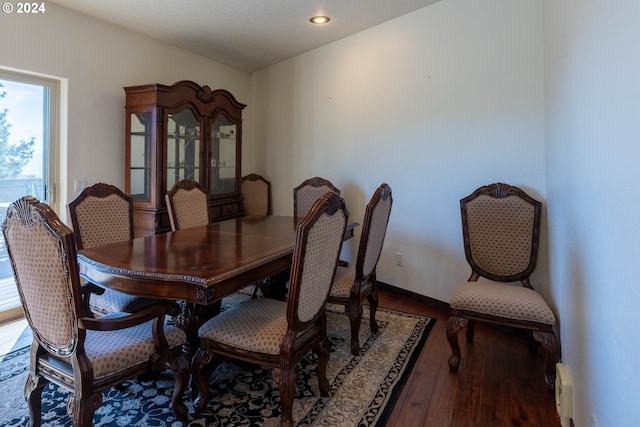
114, 302
343, 282
503, 300
114, 351
256, 325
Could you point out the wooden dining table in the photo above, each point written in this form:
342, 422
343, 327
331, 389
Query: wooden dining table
197, 266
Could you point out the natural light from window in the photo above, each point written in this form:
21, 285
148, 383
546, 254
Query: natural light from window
24, 161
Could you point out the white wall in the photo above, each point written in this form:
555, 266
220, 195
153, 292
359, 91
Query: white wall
98, 60
592, 69
435, 103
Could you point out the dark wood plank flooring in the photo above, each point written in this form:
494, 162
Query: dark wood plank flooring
499, 383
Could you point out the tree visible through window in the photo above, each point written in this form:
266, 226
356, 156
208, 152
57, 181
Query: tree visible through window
13, 157
26, 106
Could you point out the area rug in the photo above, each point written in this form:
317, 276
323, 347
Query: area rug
363, 391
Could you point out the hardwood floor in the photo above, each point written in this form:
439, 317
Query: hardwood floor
499, 383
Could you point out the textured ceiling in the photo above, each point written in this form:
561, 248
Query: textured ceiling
246, 34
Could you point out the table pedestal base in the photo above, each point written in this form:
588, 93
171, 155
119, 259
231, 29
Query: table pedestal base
191, 317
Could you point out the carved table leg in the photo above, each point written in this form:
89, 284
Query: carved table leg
181, 369
275, 286
202, 367
190, 319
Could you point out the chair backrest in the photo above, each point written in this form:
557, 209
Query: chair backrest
501, 231
305, 194
188, 205
374, 229
101, 214
315, 257
43, 257
256, 192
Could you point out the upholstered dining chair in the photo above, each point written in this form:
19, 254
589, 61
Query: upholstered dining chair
77, 352
188, 205
305, 194
102, 214
353, 286
501, 233
256, 194
277, 333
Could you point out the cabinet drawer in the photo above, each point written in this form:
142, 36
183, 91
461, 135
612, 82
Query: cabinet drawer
225, 211
230, 209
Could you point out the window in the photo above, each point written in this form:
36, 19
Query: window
28, 124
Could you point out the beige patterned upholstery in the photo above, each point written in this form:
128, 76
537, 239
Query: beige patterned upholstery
353, 286
277, 333
188, 205
345, 277
499, 226
113, 301
256, 194
503, 300
46, 307
318, 270
256, 201
114, 351
92, 354
102, 214
261, 330
377, 230
103, 220
305, 195
501, 230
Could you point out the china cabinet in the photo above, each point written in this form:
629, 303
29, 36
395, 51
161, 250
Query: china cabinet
181, 131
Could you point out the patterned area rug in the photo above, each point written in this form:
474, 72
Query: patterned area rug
363, 388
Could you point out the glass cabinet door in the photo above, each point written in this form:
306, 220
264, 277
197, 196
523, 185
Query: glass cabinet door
183, 147
177, 132
140, 148
222, 178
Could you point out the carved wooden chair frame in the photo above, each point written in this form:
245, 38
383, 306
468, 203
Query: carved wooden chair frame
364, 284
58, 354
183, 185
302, 334
252, 177
99, 190
109, 300
315, 184
542, 332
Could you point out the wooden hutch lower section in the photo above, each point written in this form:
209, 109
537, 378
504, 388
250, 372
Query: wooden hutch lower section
153, 221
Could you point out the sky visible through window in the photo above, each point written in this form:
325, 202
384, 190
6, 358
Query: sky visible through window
24, 105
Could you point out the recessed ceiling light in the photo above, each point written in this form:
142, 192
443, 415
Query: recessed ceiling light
319, 19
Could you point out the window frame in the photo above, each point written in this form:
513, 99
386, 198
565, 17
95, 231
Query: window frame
51, 142
51, 124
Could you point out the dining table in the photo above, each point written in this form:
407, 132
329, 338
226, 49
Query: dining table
198, 266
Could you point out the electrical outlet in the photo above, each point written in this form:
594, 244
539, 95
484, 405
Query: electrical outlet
399, 259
